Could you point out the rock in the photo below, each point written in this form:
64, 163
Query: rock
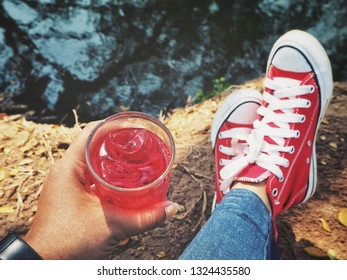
146, 55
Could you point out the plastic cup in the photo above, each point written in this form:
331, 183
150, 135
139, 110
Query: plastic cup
97, 157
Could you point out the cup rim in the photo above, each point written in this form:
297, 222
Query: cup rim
123, 115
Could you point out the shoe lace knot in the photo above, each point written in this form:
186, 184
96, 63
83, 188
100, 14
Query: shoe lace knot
249, 155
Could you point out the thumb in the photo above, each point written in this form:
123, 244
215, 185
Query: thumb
129, 222
156, 215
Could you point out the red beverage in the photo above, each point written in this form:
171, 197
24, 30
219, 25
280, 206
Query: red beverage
130, 157
131, 165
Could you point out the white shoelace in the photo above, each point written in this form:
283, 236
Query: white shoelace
275, 124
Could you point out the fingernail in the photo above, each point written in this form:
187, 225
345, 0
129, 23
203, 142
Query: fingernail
171, 210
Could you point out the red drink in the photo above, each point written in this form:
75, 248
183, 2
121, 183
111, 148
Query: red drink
131, 164
130, 157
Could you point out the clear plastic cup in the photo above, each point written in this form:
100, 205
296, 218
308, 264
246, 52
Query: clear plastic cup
114, 151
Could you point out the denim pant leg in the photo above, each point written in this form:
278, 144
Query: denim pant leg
239, 228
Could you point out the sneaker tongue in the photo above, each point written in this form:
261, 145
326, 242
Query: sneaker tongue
253, 173
287, 77
288, 81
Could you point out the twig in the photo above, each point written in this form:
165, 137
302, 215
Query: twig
194, 175
189, 173
77, 124
161, 116
20, 204
11, 186
48, 148
202, 217
183, 216
34, 184
38, 192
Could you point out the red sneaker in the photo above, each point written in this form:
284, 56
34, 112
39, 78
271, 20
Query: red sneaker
298, 88
232, 124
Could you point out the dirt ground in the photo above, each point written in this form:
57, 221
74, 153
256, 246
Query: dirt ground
28, 150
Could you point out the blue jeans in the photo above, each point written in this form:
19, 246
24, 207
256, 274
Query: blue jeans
240, 228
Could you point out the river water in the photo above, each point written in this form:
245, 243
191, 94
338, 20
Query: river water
103, 56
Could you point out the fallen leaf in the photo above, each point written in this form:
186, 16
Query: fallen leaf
323, 138
123, 242
6, 210
25, 161
181, 208
315, 252
34, 208
11, 218
24, 149
39, 151
332, 254
343, 216
42, 161
333, 145
161, 254
7, 136
2, 173
14, 172
325, 225
135, 238
325, 121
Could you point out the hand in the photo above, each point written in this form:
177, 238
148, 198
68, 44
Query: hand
72, 223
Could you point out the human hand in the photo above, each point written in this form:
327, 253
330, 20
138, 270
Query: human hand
72, 223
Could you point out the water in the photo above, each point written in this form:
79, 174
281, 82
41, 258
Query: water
103, 57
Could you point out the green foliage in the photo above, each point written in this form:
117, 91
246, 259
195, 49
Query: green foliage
218, 86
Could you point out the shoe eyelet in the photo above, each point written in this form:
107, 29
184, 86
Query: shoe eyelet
303, 119
308, 104
311, 89
287, 164
274, 192
220, 148
281, 179
309, 143
221, 162
292, 150
220, 136
308, 160
297, 134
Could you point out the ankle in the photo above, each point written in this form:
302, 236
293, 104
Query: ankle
258, 188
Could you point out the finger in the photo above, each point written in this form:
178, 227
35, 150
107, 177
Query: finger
136, 221
156, 215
